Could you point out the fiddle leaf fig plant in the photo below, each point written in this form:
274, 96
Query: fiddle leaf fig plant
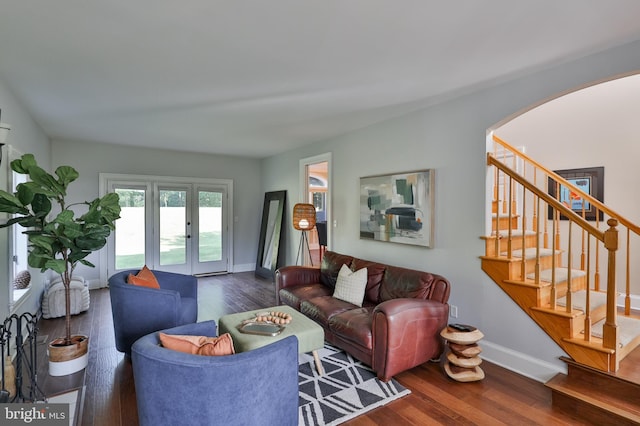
58, 240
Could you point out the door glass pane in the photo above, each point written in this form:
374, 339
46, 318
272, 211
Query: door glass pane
210, 226
130, 229
173, 223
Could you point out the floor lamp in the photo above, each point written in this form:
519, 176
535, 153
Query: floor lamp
304, 219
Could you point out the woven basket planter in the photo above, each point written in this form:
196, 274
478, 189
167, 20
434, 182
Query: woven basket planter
68, 359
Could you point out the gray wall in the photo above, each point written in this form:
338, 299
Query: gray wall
451, 138
92, 159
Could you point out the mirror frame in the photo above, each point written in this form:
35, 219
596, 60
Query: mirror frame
266, 268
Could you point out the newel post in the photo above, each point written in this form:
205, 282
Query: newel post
610, 329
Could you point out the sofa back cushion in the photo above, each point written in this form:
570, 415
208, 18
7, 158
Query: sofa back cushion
375, 273
401, 282
330, 267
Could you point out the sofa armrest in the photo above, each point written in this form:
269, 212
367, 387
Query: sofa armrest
294, 275
406, 333
410, 307
288, 276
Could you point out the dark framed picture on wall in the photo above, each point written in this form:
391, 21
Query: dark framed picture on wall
589, 180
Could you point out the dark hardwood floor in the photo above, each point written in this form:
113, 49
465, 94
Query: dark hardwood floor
501, 398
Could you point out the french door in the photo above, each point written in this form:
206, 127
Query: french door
170, 225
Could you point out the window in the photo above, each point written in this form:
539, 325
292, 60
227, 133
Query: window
18, 255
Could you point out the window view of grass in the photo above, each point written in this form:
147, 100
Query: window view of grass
210, 246
130, 228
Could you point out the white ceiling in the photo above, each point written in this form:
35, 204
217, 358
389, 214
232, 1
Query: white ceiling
256, 78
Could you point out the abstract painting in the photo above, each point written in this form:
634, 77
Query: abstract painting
398, 208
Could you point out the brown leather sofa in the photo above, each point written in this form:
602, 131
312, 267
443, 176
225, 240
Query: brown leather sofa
398, 326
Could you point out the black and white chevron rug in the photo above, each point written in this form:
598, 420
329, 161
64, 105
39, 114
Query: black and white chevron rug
347, 389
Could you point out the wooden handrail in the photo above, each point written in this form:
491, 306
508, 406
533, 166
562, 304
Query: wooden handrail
599, 205
557, 205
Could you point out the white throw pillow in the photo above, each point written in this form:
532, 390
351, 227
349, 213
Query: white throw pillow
351, 286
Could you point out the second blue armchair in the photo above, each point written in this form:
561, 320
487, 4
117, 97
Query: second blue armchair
138, 311
259, 387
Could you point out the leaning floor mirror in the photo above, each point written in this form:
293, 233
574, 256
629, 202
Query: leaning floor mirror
269, 247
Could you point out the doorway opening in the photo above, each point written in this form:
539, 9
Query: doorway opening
316, 189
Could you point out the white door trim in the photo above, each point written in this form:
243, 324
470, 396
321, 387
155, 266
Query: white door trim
105, 179
304, 187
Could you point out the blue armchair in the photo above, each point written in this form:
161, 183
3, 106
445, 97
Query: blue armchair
255, 387
138, 311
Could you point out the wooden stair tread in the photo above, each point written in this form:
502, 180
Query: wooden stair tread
528, 283
514, 233
592, 395
530, 253
562, 274
503, 235
629, 329
579, 300
504, 215
595, 344
559, 312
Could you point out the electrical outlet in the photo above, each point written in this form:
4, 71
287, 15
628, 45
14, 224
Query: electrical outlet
453, 311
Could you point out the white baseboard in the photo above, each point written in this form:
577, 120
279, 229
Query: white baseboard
520, 363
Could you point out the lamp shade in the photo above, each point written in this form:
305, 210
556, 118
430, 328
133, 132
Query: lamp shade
304, 217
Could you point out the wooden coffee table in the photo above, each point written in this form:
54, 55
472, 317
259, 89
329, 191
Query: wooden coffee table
310, 334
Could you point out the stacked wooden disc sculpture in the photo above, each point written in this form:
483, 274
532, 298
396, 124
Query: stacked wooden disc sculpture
463, 360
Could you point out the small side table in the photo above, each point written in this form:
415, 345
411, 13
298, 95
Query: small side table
463, 360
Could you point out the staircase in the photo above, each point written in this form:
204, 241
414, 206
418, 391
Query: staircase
551, 250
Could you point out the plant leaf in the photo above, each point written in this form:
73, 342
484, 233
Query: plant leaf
87, 263
37, 260
22, 164
47, 182
25, 194
66, 175
41, 205
9, 203
56, 265
41, 241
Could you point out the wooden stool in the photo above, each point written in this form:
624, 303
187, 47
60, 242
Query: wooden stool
463, 360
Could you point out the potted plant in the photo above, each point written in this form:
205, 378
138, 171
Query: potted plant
59, 241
